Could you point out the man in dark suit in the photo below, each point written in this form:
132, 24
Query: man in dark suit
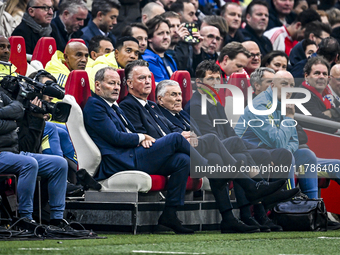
148, 119
118, 143
104, 18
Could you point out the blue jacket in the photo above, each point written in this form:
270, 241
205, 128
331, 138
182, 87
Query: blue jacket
156, 65
271, 132
297, 54
92, 30
117, 147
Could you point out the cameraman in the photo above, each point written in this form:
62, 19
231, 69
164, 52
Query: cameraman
28, 164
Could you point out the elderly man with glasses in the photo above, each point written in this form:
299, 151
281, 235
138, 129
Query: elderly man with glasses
36, 23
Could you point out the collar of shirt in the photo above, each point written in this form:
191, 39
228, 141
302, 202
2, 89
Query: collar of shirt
109, 103
105, 34
141, 101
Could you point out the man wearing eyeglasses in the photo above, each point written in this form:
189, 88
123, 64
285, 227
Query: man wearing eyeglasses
210, 44
255, 56
36, 23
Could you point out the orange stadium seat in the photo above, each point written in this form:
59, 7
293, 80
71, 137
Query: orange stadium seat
184, 80
18, 54
44, 50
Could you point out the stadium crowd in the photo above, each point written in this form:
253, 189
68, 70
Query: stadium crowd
270, 43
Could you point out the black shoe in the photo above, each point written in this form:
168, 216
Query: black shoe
281, 196
237, 226
263, 189
174, 224
73, 190
252, 222
264, 220
333, 225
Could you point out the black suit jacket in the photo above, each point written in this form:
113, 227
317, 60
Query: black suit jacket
117, 147
31, 38
142, 120
193, 125
263, 42
59, 29
205, 122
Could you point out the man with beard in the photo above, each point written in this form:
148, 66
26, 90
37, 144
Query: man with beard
104, 14
161, 64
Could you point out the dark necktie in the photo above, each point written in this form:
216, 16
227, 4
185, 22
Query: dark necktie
160, 123
183, 121
123, 118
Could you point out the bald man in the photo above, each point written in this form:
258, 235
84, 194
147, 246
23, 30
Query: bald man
151, 10
74, 58
278, 131
333, 88
255, 59
5, 52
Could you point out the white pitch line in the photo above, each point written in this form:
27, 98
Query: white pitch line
326, 237
168, 252
41, 249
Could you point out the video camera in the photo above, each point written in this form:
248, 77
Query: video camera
24, 89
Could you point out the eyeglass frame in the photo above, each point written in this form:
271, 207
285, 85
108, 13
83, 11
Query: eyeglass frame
44, 7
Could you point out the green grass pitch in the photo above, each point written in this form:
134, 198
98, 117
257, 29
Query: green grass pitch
200, 243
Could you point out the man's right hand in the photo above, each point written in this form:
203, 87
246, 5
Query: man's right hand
290, 111
148, 141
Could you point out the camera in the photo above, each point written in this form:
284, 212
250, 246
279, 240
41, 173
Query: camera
24, 89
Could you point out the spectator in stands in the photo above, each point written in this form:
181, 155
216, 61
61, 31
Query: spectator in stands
261, 79
140, 32
167, 4
186, 10
36, 23
67, 24
199, 14
334, 21
316, 73
161, 64
75, 58
104, 17
333, 88
257, 22
286, 37
280, 13
279, 135
255, 56
16, 8
19, 156
323, 16
328, 48
180, 50
208, 73
315, 31
232, 13
300, 6
127, 51
220, 23
5, 53
99, 45
210, 44
151, 10
233, 59
276, 60
309, 47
